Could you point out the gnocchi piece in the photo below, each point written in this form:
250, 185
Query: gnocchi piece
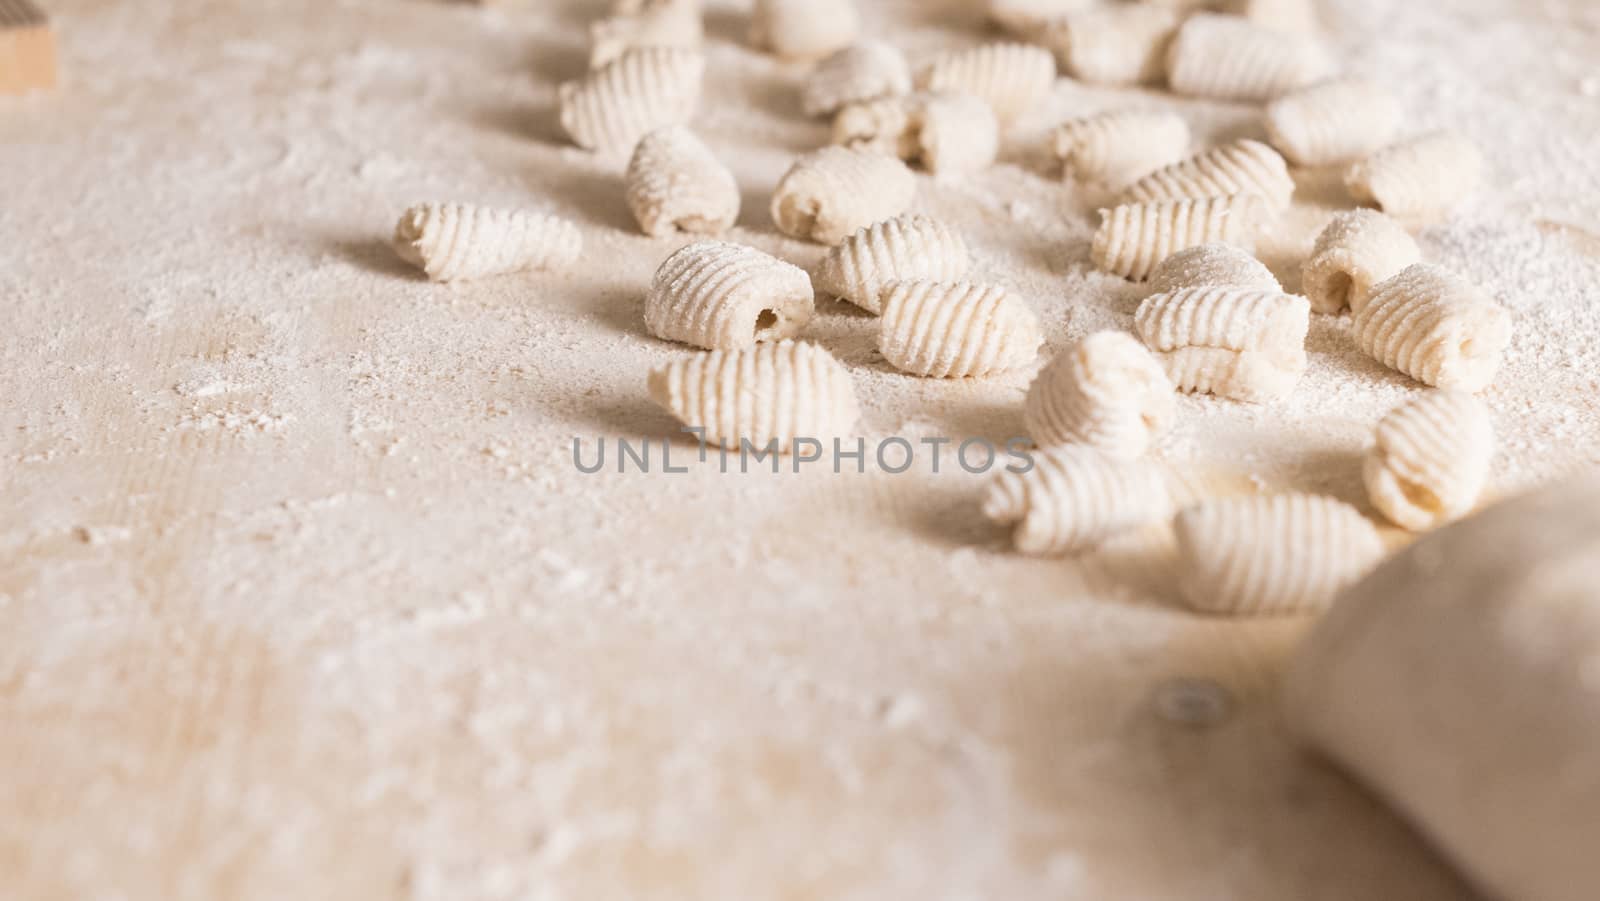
1431, 459
1076, 498
1357, 249
1256, 340
456, 241
1435, 327
1119, 45
764, 395
866, 71
1025, 17
1106, 392
636, 93
670, 24
1269, 555
1297, 16
675, 184
1232, 58
830, 193
727, 296
1011, 78
1133, 238
1419, 180
906, 248
804, 29
956, 329
1333, 121
1242, 167
1211, 266
1118, 148
946, 134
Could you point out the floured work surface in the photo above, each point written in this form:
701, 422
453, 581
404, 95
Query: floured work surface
301, 593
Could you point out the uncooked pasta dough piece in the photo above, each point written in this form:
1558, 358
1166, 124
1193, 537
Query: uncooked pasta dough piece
1025, 17
726, 296
1242, 167
1106, 392
1334, 121
804, 29
1458, 683
830, 193
866, 71
1435, 327
638, 92
674, 184
1430, 460
670, 24
770, 393
946, 134
906, 248
1121, 44
1117, 148
1284, 553
1419, 180
956, 329
1357, 249
1211, 266
1133, 238
1011, 78
1239, 343
1297, 16
1076, 498
455, 241
1231, 58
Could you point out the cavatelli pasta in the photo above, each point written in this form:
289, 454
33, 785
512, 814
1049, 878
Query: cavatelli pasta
726, 296
1119, 44
1075, 498
454, 241
1231, 58
1250, 376
906, 248
943, 133
1244, 344
1435, 327
1118, 148
1133, 238
1431, 459
1242, 167
1011, 78
638, 92
864, 71
804, 29
1334, 121
1211, 266
830, 193
671, 24
674, 184
1357, 250
956, 329
1286, 553
881, 126
770, 393
1419, 180
1106, 392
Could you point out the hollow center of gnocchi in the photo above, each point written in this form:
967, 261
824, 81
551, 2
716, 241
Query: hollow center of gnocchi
766, 321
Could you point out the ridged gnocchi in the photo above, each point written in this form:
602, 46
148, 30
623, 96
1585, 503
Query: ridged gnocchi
830, 193
956, 329
1241, 167
946, 134
669, 24
1118, 148
1133, 238
1121, 45
1243, 344
1211, 266
1076, 498
675, 184
1011, 78
455, 241
1435, 327
1269, 555
906, 248
1357, 249
770, 393
1106, 392
1232, 58
804, 29
638, 92
868, 70
1420, 180
725, 296
1430, 460
1334, 121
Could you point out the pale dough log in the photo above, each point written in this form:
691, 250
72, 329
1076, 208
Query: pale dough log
1461, 681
